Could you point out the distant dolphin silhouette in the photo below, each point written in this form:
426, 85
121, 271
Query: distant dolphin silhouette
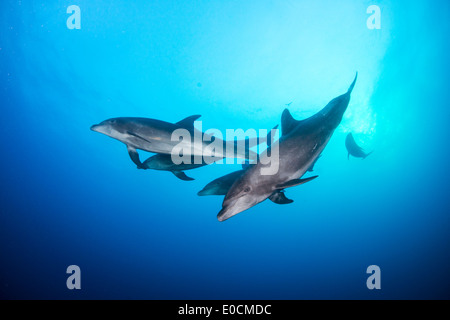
156, 136
353, 149
299, 146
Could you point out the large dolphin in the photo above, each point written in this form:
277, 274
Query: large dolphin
301, 142
353, 149
155, 136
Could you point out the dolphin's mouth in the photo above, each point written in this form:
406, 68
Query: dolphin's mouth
221, 216
228, 211
94, 127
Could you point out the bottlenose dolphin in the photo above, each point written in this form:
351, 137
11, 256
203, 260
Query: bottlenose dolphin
353, 149
164, 162
156, 136
302, 141
220, 187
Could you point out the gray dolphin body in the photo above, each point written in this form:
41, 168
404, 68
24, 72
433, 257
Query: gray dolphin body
155, 136
299, 146
164, 162
353, 149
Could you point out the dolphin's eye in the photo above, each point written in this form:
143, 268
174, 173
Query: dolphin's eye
247, 189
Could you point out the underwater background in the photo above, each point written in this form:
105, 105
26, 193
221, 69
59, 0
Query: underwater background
70, 196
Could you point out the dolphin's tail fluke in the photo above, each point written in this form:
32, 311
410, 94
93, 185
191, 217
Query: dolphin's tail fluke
350, 89
368, 154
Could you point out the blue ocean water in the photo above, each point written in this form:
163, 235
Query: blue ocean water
71, 196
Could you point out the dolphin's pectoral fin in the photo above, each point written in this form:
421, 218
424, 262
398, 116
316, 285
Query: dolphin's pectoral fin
181, 175
279, 197
137, 136
295, 182
134, 155
188, 122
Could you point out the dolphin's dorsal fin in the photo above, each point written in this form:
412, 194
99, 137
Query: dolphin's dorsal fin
280, 198
181, 175
188, 122
295, 182
288, 123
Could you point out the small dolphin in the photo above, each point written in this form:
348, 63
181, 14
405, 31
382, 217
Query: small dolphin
156, 136
164, 162
353, 149
299, 146
220, 187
